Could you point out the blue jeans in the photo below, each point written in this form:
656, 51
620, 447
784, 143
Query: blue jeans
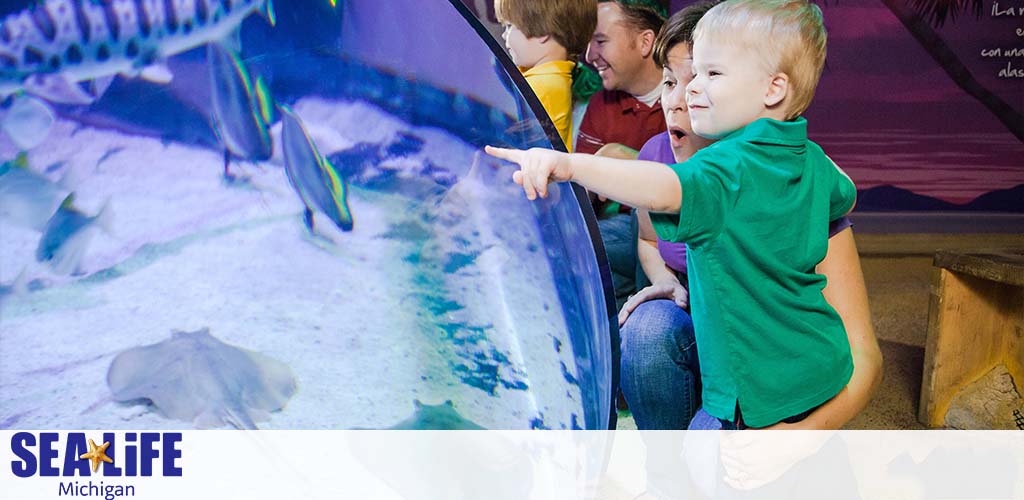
661, 383
703, 421
660, 373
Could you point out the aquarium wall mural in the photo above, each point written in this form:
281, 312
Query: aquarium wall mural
277, 215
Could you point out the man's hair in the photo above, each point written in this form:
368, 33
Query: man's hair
570, 22
788, 35
642, 15
679, 29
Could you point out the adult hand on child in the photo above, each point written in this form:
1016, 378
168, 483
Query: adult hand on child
537, 168
616, 150
672, 290
755, 457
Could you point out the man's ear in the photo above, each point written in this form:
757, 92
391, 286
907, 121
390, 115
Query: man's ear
778, 89
647, 42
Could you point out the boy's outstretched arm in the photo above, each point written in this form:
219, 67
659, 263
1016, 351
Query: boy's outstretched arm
642, 184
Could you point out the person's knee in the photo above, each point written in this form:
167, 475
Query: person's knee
660, 329
645, 332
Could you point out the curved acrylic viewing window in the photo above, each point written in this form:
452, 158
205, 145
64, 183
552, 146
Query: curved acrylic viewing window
307, 203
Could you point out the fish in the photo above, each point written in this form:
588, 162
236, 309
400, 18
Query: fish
318, 183
29, 199
240, 107
60, 44
67, 235
26, 121
197, 378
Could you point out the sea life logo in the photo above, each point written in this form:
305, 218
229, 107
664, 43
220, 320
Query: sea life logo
76, 455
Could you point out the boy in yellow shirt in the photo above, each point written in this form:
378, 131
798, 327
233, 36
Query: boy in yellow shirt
545, 39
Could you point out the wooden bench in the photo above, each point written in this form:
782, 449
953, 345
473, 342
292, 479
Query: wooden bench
975, 322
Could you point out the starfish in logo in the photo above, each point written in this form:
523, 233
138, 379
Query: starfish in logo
97, 454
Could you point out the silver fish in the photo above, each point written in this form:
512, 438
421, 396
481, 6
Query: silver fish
67, 235
57, 44
239, 107
315, 179
28, 199
26, 121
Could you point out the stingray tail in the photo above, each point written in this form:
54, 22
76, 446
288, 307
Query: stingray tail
240, 420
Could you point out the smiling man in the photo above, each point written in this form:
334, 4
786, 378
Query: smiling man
627, 111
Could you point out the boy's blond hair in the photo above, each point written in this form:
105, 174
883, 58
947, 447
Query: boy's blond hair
789, 35
570, 22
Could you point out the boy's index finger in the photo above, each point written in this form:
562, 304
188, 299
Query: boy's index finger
512, 155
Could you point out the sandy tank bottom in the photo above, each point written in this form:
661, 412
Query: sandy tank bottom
349, 313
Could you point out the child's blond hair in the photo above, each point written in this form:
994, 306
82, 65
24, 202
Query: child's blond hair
789, 36
570, 22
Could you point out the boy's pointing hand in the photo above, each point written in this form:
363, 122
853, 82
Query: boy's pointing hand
537, 168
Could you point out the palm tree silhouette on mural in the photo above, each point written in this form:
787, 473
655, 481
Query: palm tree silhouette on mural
921, 17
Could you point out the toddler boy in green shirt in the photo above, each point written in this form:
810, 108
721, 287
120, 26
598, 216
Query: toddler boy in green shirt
753, 209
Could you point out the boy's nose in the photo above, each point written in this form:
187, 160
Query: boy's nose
693, 88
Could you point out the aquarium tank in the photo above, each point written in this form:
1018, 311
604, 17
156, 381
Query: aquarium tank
278, 215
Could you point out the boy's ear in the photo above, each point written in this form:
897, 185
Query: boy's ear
778, 88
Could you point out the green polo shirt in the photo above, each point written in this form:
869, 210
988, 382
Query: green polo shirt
754, 214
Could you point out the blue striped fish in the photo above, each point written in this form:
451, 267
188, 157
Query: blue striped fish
315, 179
68, 50
241, 107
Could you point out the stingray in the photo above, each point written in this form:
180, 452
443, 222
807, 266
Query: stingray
197, 378
436, 417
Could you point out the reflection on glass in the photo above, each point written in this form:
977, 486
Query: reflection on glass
243, 214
